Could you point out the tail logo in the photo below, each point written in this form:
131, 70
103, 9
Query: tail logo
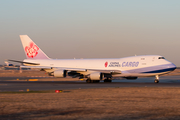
31, 50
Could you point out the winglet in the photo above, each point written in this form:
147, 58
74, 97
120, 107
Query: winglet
31, 50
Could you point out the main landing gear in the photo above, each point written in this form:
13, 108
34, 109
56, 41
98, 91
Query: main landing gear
92, 81
108, 80
156, 79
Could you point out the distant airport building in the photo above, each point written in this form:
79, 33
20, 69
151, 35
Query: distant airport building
12, 67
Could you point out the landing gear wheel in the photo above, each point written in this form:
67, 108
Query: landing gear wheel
88, 81
107, 80
92, 81
95, 81
156, 81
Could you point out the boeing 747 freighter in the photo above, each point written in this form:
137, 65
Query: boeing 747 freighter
94, 70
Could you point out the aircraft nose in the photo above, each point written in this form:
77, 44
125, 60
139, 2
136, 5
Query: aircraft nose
172, 66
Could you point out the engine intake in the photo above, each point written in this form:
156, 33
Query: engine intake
59, 73
96, 76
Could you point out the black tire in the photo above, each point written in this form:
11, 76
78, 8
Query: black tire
156, 81
88, 81
92, 81
95, 81
107, 80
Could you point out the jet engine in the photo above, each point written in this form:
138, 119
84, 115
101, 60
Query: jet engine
96, 76
59, 73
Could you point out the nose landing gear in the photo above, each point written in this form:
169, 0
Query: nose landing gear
156, 79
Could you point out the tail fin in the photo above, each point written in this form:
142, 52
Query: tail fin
31, 50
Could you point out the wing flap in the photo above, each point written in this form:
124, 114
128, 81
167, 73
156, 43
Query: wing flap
107, 71
76, 69
97, 70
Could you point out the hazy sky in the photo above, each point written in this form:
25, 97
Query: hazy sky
91, 28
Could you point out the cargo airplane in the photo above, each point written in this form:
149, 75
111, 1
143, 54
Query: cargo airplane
94, 70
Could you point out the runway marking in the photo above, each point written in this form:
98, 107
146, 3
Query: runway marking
33, 80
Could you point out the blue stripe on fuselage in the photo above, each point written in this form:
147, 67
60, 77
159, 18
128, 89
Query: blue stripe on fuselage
162, 70
154, 69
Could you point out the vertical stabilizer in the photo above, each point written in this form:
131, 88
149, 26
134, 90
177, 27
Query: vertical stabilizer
31, 50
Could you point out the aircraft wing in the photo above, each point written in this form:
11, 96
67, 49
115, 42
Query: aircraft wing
107, 71
40, 67
75, 69
61, 68
64, 68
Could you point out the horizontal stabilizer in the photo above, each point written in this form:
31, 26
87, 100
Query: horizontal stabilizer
24, 62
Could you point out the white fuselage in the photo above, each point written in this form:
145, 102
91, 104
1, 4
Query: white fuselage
135, 66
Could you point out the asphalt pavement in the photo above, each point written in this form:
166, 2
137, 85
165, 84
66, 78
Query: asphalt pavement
11, 84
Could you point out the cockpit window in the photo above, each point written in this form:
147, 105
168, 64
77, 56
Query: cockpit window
161, 58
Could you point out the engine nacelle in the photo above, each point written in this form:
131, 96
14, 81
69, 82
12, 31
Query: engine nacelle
96, 76
60, 73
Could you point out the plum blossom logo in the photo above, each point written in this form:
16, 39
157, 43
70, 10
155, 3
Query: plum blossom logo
106, 64
31, 50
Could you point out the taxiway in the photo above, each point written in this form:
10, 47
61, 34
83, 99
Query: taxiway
6, 84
